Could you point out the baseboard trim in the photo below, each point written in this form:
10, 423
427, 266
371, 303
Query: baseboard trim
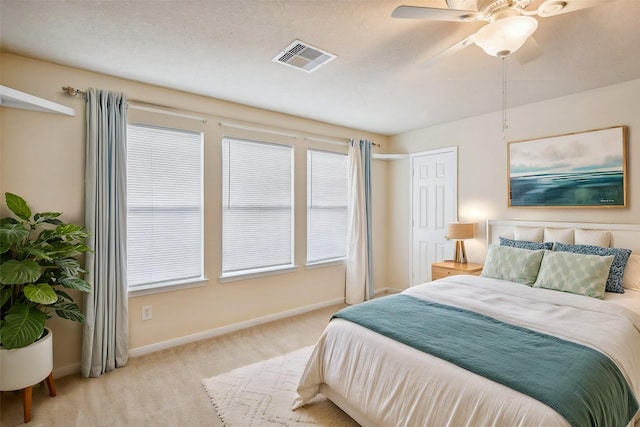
63, 371
152, 348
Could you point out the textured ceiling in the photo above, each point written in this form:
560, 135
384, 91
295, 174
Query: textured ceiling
224, 49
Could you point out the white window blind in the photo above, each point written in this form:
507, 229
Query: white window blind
257, 206
327, 180
164, 196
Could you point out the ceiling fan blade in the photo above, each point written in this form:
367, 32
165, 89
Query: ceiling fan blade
558, 7
529, 51
436, 14
449, 51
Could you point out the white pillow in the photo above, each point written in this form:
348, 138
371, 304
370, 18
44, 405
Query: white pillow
530, 234
593, 237
631, 277
561, 235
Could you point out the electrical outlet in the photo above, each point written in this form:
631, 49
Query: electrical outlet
147, 314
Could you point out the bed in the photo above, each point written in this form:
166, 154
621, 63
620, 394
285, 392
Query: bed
513, 347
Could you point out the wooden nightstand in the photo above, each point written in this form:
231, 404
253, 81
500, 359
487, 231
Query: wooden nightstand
450, 268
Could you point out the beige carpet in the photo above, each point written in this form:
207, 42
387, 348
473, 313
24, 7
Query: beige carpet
261, 394
163, 389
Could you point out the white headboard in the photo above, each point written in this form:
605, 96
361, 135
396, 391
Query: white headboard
622, 235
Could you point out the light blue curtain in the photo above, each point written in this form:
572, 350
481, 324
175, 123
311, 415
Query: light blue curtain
365, 149
359, 265
106, 330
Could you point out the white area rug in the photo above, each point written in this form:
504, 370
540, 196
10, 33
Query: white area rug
260, 395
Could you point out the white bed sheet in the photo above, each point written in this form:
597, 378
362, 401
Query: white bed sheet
391, 384
629, 300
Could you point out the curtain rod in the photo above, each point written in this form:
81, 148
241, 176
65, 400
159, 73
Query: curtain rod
272, 131
276, 131
145, 106
72, 91
196, 115
340, 141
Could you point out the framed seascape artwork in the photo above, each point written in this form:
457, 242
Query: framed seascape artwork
586, 169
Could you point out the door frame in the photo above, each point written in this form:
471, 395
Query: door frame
412, 156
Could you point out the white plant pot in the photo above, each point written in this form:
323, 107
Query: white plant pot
27, 366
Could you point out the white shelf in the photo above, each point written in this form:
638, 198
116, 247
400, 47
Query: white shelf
390, 156
16, 99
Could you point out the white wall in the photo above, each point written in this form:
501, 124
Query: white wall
42, 159
482, 165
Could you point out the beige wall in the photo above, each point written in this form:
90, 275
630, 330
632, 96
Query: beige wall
482, 165
42, 159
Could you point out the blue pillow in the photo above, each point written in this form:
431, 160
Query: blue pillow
523, 244
620, 258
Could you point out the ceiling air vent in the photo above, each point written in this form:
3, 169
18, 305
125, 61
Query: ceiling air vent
303, 57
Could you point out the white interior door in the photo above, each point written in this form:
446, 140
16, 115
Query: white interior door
433, 205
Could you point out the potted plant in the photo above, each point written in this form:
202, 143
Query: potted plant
38, 264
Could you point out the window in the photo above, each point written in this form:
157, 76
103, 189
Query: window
164, 197
326, 206
257, 207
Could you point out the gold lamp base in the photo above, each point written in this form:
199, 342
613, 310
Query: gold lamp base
460, 254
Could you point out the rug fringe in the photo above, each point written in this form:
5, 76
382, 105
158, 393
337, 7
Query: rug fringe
261, 394
225, 423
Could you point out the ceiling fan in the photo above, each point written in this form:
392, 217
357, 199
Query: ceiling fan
510, 22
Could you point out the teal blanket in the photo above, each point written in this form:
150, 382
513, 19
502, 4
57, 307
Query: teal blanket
580, 383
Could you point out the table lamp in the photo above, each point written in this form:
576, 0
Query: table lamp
460, 231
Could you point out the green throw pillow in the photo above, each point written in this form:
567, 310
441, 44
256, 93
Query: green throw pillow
513, 264
576, 273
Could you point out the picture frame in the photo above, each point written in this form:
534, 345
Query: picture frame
576, 170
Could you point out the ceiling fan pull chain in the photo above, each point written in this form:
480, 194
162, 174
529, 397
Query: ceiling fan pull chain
504, 98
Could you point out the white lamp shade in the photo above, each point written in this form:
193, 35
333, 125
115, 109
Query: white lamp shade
506, 35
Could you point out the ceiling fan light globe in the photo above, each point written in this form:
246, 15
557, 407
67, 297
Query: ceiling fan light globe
505, 36
550, 8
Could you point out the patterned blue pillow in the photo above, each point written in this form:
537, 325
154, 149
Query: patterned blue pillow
620, 258
523, 244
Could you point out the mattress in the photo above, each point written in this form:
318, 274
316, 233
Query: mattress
385, 383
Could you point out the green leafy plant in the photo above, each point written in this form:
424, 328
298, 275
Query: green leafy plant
38, 262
